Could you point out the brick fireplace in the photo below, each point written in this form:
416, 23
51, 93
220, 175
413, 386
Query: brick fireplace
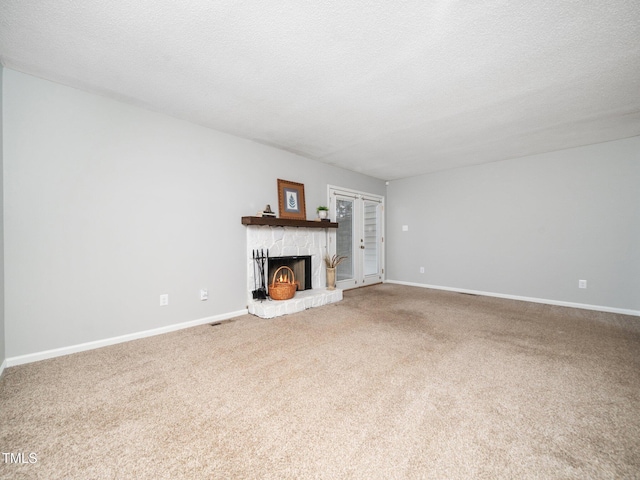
289, 241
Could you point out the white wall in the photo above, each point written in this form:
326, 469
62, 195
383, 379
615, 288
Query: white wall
3, 355
107, 206
529, 227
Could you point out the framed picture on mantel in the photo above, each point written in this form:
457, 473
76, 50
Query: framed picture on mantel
291, 200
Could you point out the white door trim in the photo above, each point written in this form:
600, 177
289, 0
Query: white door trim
361, 280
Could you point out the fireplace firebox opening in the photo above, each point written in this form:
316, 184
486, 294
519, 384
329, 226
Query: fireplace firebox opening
301, 266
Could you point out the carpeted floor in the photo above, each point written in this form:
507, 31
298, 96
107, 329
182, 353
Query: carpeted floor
393, 382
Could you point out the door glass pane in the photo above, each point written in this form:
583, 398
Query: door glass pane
344, 246
371, 256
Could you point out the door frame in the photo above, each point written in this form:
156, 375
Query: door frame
332, 238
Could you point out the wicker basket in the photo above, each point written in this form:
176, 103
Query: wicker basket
283, 290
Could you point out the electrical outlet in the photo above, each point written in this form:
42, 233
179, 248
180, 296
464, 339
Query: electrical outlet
421, 269
164, 300
582, 284
405, 228
204, 294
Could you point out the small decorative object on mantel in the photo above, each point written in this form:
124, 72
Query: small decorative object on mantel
331, 264
267, 212
323, 212
283, 287
291, 200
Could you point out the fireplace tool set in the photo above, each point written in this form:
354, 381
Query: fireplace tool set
259, 261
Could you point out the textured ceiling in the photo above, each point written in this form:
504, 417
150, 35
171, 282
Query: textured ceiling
390, 89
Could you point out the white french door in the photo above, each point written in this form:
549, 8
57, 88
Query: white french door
359, 237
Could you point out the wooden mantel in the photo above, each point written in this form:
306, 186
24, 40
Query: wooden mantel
286, 222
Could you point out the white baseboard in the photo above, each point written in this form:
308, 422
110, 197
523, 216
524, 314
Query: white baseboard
524, 299
58, 352
3, 366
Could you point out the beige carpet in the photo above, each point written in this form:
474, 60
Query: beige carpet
392, 382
